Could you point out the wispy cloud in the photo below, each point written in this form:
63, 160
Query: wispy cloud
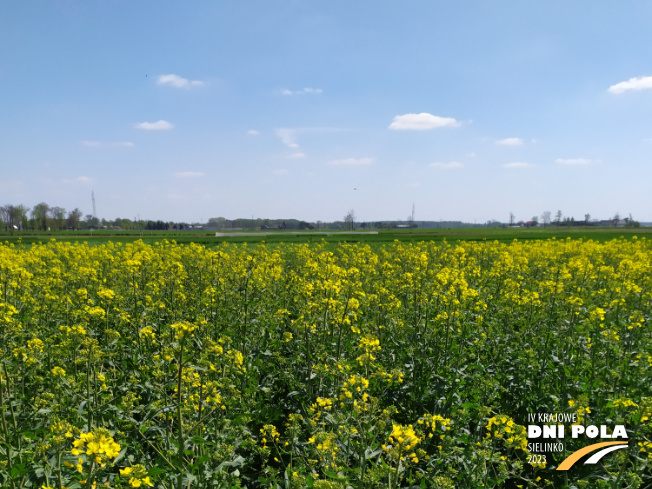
79, 180
510, 142
572, 161
288, 137
280, 171
352, 162
420, 122
517, 164
100, 144
154, 126
188, 174
297, 155
253, 132
305, 91
635, 84
178, 81
448, 164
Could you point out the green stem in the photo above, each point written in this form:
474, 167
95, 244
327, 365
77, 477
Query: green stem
59, 467
179, 419
156, 450
5, 430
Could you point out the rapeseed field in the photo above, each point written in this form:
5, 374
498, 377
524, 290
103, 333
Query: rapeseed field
305, 365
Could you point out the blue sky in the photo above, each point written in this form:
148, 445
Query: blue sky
189, 110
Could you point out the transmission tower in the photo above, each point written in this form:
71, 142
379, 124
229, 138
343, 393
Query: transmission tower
93, 199
412, 211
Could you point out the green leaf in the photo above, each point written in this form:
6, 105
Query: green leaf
335, 476
120, 455
371, 454
164, 410
470, 405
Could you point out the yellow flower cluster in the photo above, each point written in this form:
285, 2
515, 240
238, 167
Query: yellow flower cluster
106, 294
183, 330
370, 344
147, 333
646, 447
323, 403
403, 439
624, 403
269, 430
98, 445
58, 372
137, 475
236, 359
29, 355
326, 446
512, 435
434, 421
582, 408
61, 430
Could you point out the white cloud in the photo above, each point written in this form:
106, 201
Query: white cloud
641, 83
419, 122
314, 91
449, 164
178, 81
510, 142
81, 180
517, 164
188, 174
253, 132
297, 155
287, 137
572, 161
352, 162
100, 144
154, 126
280, 171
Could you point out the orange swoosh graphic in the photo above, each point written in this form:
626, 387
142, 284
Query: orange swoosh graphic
575, 456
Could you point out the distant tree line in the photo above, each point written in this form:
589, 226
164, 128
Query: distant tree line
222, 223
43, 217
559, 220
